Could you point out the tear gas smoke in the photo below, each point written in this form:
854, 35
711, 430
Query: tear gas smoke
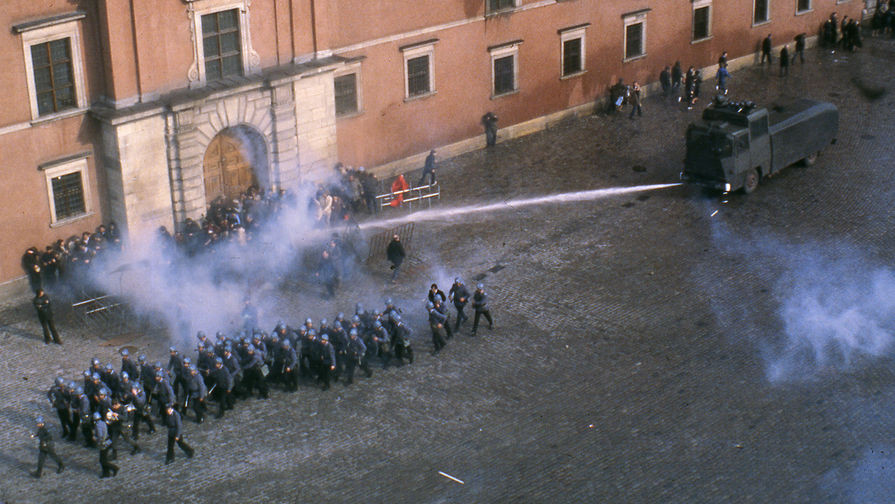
207, 292
835, 312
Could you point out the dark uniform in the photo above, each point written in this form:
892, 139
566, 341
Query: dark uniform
197, 393
58, 397
489, 122
327, 361
480, 305
253, 377
45, 314
459, 295
45, 448
356, 357
436, 323
222, 390
287, 363
104, 443
175, 435
136, 397
395, 254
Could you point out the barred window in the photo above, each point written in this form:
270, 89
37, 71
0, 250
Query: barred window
571, 57
761, 14
418, 76
68, 195
497, 5
633, 40
701, 22
346, 94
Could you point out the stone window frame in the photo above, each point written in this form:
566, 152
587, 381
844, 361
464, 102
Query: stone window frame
810, 8
42, 32
630, 19
251, 62
418, 50
767, 18
697, 5
62, 167
501, 51
572, 33
354, 68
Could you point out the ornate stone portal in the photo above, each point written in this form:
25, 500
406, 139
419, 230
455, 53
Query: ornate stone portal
159, 156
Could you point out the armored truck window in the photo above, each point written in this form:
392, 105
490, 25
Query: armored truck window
743, 144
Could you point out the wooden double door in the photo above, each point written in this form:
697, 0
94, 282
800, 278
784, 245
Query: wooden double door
228, 167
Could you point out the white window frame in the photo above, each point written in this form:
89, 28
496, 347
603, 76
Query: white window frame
417, 51
251, 62
355, 69
700, 4
511, 49
54, 170
632, 19
67, 29
578, 32
768, 14
806, 11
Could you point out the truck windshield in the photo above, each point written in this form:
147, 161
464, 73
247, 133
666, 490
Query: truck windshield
715, 142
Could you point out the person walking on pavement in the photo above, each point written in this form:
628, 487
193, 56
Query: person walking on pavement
636, 105
428, 169
677, 77
175, 434
395, 254
800, 49
459, 295
489, 122
480, 305
784, 61
104, 443
766, 46
45, 314
45, 448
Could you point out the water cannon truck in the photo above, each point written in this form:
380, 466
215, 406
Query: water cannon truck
736, 144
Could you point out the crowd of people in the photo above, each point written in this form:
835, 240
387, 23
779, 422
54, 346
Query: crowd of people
111, 406
883, 20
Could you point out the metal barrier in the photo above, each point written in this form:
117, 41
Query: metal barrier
101, 313
414, 194
379, 242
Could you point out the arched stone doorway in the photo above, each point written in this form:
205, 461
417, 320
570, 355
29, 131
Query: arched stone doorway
236, 158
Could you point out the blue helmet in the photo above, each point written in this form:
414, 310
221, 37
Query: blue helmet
324, 322
218, 360
125, 352
95, 376
40, 420
96, 416
141, 358
352, 332
60, 381
340, 316
125, 376
430, 305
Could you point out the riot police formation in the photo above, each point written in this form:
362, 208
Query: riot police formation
118, 406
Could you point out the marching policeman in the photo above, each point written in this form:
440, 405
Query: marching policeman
459, 295
45, 448
136, 397
436, 323
357, 351
175, 435
288, 363
58, 397
197, 392
480, 305
223, 387
128, 365
104, 443
327, 363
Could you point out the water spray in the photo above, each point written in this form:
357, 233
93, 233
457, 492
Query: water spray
512, 204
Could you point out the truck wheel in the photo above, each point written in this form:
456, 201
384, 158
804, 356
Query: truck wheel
751, 181
810, 160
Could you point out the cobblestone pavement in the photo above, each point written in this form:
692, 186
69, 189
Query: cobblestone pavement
629, 361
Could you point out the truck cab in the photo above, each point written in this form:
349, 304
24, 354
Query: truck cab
737, 143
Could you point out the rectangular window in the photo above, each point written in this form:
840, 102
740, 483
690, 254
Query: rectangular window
419, 69
633, 40
571, 57
761, 11
499, 5
346, 94
68, 195
702, 20
53, 67
504, 75
803, 5
53, 76
504, 68
67, 189
221, 44
418, 76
